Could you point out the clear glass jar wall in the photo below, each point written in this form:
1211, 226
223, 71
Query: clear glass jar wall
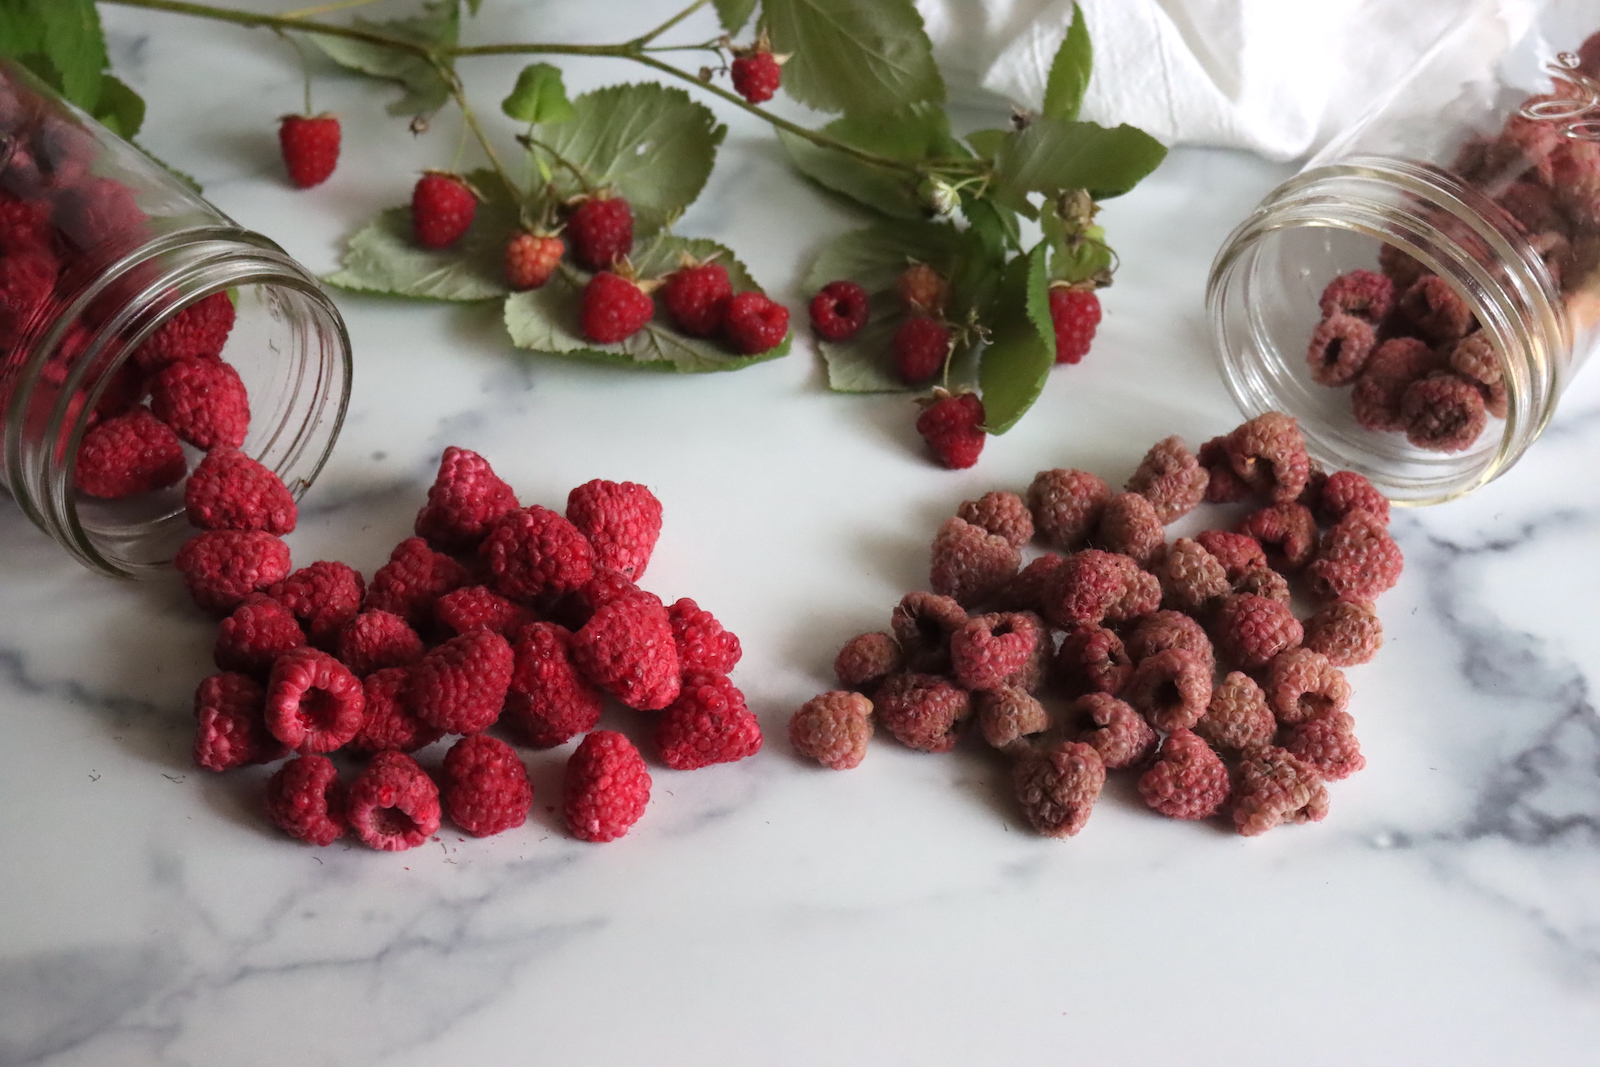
111, 272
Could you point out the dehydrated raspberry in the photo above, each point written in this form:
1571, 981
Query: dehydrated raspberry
1394, 365
606, 789
1089, 584
1290, 530
1268, 453
614, 308
1475, 359
1066, 505
1302, 685
476, 607
708, 723
1347, 632
1009, 716
702, 642
388, 724
1328, 745
549, 701
1236, 552
1170, 688
1162, 630
697, 298
923, 623
461, 686
1031, 587
231, 491
1191, 578
377, 639
833, 728
484, 786
1339, 349
923, 711
130, 454
1171, 478
442, 207
1347, 491
323, 596
1399, 267
1250, 630
314, 703
1434, 311
953, 427
622, 520
1141, 594
921, 346
1004, 514
1075, 315
1272, 786
922, 290
627, 650
1237, 717
601, 229
530, 259
754, 323
1358, 560
535, 552
1224, 486
1443, 412
1057, 787
756, 76
1130, 526
198, 332
257, 633
1120, 734
222, 567
306, 801
310, 146
1360, 292
394, 805
1092, 659
996, 650
97, 211
230, 727
970, 564
204, 401
1187, 779
867, 659
1264, 581
839, 310
465, 499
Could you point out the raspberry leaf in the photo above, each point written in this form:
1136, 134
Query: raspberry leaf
60, 41
914, 133
1051, 156
539, 96
1021, 350
733, 14
119, 108
424, 83
1069, 71
853, 56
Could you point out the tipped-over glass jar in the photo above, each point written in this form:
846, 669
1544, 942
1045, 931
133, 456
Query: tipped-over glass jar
1421, 293
139, 329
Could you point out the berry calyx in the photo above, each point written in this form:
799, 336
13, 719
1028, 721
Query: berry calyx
921, 346
697, 297
755, 323
756, 76
1075, 314
614, 308
923, 290
310, 146
952, 424
839, 311
601, 229
531, 259
442, 207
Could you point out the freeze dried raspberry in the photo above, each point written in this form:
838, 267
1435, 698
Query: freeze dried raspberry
1058, 786
921, 345
534, 552
126, 390
1290, 530
1347, 632
388, 724
627, 650
1236, 552
530, 259
1268, 453
1130, 526
548, 700
1250, 630
1339, 349
702, 642
970, 564
614, 308
461, 685
1328, 745
484, 786
98, 211
257, 633
754, 323
606, 789
130, 454
1360, 292
1434, 311
1302, 685
1074, 315
622, 520
1347, 491
1443, 413
465, 500
1089, 584
1399, 267
323, 596
1171, 478
231, 491
1394, 365
1005, 514
306, 800
476, 607
442, 209
377, 639
314, 703
1237, 717
697, 297
601, 229
708, 723
922, 290
1032, 585
222, 567
1358, 560
923, 711
833, 728
1224, 486
995, 650
953, 427
1263, 581
204, 401
310, 147
923, 623
1191, 578
230, 728
1272, 786
839, 310
1474, 358
1141, 594
1120, 734
198, 332
1066, 505
394, 805
1009, 716
867, 659
1170, 688
1187, 780
1162, 630
1092, 659
1533, 206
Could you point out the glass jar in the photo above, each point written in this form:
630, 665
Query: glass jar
1481, 168
102, 250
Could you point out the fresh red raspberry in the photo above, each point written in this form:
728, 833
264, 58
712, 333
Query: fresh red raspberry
314, 703
1347, 632
839, 311
306, 801
702, 642
921, 346
461, 686
257, 633
126, 390
1434, 311
833, 729
867, 659
1009, 716
1288, 529
442, 208
1271, 787
476, 607
923, 711
1066, 505
622, 521
464, 501
627, 650
1394, 365
996, 650
374, 640
530, 259
1328, 745
1358, 560
756, 76
1075, 314
1443, 412
922, 290
534, 552
1360, 292
1058, 786
602, 232
204, 401
130, 454
230, 728
1224, 486
614, 308
1031, 587
484, 786
697, 298
1302, 685
1162, 630
1268, 453
1171, 478
953, 428
310, 147
1237, 717
1120, 734
27, 278
922, 624
323, 596
24, 224
1192, 579
1236, 552
231, 491
199, 331
708, 723
1264, 581
579, 606
1339, 349
606, 789
755, 323
1347, 491
1089, 585
393, 804
1250, 630
1005, 514
1092, 659
1171, 689
969, 564
222, 567
388, 723
1187, 780
98, 211
549, 701
1130, 526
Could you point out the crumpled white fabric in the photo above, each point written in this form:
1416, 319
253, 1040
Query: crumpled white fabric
1277, 77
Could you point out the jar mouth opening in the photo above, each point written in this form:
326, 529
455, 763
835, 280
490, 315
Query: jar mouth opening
1263, 302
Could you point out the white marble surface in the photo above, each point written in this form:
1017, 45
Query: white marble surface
770, 912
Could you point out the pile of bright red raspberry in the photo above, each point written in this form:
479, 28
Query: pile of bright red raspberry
497, 623
1111, 649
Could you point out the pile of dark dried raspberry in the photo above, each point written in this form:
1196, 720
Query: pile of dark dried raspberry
495, 616
1112, 649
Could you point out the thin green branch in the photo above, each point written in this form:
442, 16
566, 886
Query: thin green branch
279, 22
326, 9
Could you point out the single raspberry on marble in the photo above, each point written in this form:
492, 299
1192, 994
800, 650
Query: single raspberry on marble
306, 800
1347, 491
376, 639
921, 345
388, 723
1162, 630
1443, 412
702, 642
1089, 584
1057, 786
259, 631
867, 659
1434, 311
952, 425
1249, 631
601, 229
1224, 486
466, 498
697, 297
1328, 745
1271, 786
310, 147
199, 331
922, 623
994, 650
626, 648
204, 401
755, 323
1130, 526
1187, 779
1119, 733
1348, 632
622, 520
1359, 292
231, 491
314, 703
323, 596
477, 607
614, 308
1031, 587
1008, 716
1339, 349
1394, 365
130, 454
1192, 579
1003, 514
230, 724
460, 686
923, 711
442, 209
839, 310
1268, 453
535, 552
1358, 560
1289, 530
1302, 685
606, 789
1237, 716
1092, 659
708, 723
1236, 552
222, 567
393, 804
1264, 581
1066, 505
1074, 315
1171, 478
1170, 688
833, 728
549, 701
970, 564
1141, 594
484, 786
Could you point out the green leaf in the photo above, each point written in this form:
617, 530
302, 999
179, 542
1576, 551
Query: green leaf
120, 109
426, 86
546, 319
1021, 348
61, 41
384, 257
1051, 156
913, 133
733, 14
998, 226
987, 142
856, 56
539, 96
1069, 71
651, 144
